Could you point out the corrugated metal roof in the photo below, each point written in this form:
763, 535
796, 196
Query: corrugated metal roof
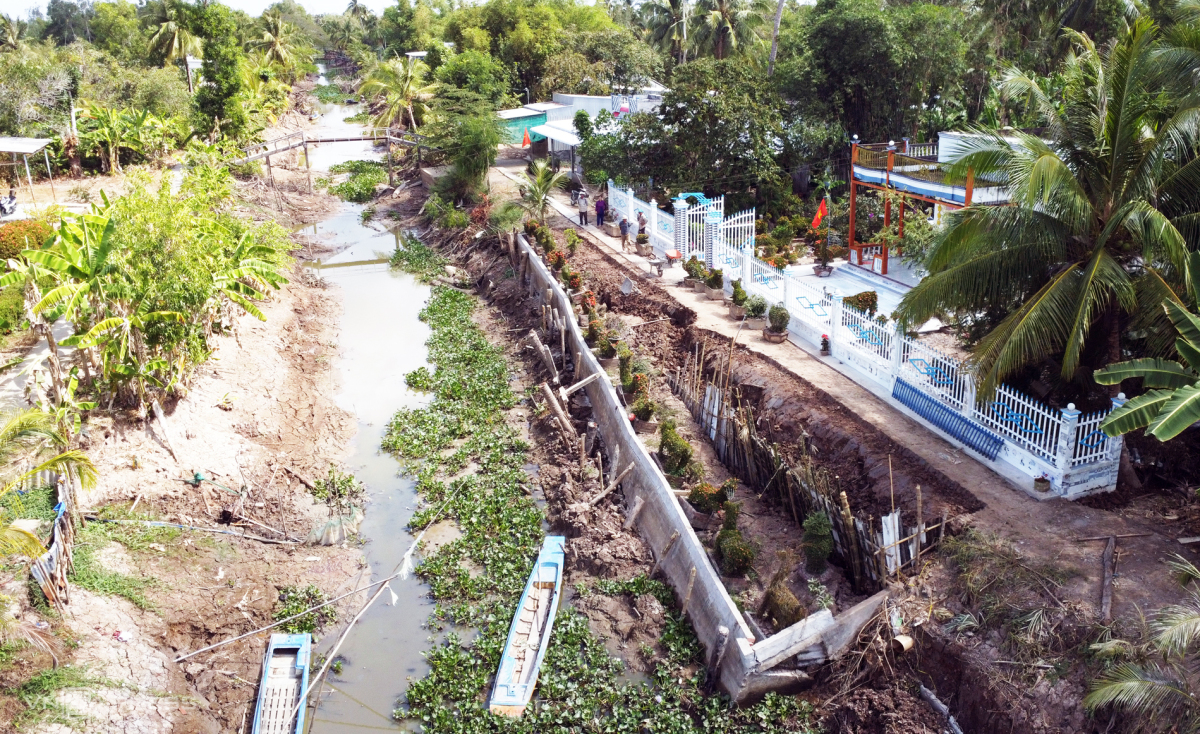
23, 146
518, 113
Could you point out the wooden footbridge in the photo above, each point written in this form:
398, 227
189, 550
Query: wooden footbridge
305, 138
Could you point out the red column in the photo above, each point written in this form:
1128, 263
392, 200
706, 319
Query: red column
853, 194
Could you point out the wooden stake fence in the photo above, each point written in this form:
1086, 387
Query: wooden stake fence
869, 555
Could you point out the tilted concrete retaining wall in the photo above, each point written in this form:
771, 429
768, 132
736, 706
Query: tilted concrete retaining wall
744, 664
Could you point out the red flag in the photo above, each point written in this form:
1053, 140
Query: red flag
525, 142
821, 212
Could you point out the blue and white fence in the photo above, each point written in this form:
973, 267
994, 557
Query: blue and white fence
1017, 435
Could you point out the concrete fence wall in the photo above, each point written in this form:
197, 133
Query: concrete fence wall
744, 666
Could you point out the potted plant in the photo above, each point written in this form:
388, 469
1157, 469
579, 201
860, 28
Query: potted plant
556, 260
695, 272
714, 285
606, 352
824, 345
574, 281
572, 240
756, 312
776, 331
823, 269
642, 242
737, 302
643, 414
1042, 484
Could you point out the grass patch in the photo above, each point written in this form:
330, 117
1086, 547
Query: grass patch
1006, 591
414, 256
94, 536
637, 586
360, 186
361, 118
501, 527
329, 93
39, 696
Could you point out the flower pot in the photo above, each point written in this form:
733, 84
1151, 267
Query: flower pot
774, 337
756, 323
824, 352
641, 426
609, 363
576, 298
1042, 485
645, 250
714, 294
698, 286
674, 481
736, 312
689, 283
823, 271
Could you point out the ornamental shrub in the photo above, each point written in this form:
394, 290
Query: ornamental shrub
673, 449
756, 306
575, 281
639, 383
23, 234
594, 332
531, 226
706, 498
572, 241
867, 302
739, 293
605, 347
625, 355
695, 269
818, 541
715, 279
737, 554
779, 318
644, 408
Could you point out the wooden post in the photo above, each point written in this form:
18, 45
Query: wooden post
857, 571
920, 530
666, 549
391, 179
613, 485
582, 459
718, 656
638, 504
687, 595
1106, 591
942, 528
29, 177
970, 187
53, 193
307, 163
558, 411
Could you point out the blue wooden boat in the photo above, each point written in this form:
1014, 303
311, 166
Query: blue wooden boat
529, 635
284, 678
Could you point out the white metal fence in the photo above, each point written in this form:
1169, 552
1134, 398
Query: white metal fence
1039, 440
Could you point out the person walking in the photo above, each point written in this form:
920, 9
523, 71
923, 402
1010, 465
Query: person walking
641, 222
624, 234
601, 210
583, 207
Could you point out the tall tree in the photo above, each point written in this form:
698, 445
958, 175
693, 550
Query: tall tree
1103, 211
728, 27
401, 84
217, 105
173, 37
666, 23
279, 41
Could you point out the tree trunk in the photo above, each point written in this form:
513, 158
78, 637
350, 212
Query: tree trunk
775, 39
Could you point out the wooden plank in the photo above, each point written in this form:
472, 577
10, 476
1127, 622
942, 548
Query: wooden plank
783, 645
1106, 591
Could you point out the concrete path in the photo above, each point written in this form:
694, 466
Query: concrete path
1046, 530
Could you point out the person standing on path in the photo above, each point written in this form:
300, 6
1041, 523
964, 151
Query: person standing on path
641, 222
624, 234
583, 207
601, 210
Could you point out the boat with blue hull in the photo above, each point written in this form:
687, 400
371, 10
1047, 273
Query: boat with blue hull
284, 678
529, 635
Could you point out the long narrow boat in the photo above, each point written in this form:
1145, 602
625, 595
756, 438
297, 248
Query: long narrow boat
284, 678
529, 635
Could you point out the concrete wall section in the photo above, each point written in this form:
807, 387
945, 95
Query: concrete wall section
686, 567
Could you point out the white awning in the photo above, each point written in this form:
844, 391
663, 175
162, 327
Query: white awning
558, 135
23, 146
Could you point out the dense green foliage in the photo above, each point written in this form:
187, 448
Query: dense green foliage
818, 541
217, 106
359, 186
296, 599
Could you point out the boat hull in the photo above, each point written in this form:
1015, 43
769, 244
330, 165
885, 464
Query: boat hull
529, 635
284, 679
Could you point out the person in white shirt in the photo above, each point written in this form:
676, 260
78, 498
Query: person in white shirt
583, 206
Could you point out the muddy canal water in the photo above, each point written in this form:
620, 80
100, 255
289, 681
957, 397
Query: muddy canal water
380, 340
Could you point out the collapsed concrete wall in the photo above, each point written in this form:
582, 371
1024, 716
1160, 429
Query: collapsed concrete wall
744, 666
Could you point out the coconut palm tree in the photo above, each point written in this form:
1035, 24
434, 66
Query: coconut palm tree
537, 184
357, 10
775, 37
12, 33
666, 24
1103, 211
171, 39
280, 42
728, 27
340, 31
401, 84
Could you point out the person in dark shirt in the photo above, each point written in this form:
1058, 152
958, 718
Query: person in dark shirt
601, 210
624, 234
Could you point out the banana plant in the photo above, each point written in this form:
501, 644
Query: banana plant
246, 273
68, 414
78, 257
1172, 400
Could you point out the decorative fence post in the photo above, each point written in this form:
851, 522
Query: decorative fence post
747, 258
1115, 446
652, 225
897, 353
1066, 444
681, 225
835, 320
969, 395
712, 225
